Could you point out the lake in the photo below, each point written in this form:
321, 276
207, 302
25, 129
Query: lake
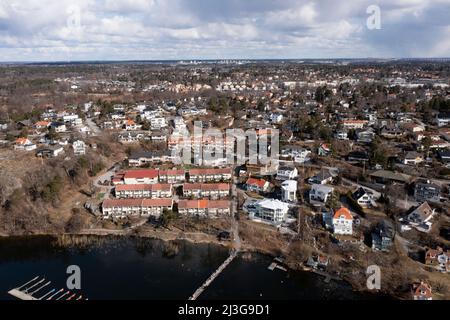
147, 269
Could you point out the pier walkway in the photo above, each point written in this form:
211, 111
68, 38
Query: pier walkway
213, 277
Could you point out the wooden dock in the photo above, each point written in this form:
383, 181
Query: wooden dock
39, 287
214, 276
21, 295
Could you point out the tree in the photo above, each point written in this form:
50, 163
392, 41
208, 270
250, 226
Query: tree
52, 134
378, 153
333, 201
167, 217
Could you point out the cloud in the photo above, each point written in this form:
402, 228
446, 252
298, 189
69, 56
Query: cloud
190, 29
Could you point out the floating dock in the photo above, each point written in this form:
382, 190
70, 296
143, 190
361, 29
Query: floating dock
34, 290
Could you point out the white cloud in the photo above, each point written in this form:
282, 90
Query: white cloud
158, 29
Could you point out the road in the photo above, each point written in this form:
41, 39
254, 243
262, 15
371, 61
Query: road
234, 215
95, 130
107, 176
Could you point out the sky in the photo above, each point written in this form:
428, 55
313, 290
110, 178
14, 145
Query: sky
77, 30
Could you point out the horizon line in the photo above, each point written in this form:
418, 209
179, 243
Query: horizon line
188, 60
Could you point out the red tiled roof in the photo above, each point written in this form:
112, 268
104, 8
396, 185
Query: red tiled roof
157, 203
256, 182
21, 141
172, 172
343, 212
140, 174
204, 204
422, 287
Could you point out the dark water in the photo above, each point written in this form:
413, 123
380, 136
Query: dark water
149, 269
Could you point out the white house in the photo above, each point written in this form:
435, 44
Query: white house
59, 127
270, 211
421, 217
287, 173
343, 222
289, 191
79, 148
158, 123
24, 144
364, 198
276, 118
301, 156
320, 193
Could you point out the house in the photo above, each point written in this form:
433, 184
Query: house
210, 175
287, 173
366, 136
342, 222
51, 152
354, 124
364, 198
131, 137
444, 155
257, 185
142, 158
358, 156
42, 125
141, 177
204, 208
172, 176
24, 144
323, 177
158, 123
438, 259
59, 127
159, 136
385, 176
341, 135
79, 148
130, 125
443, 119
276, 118
320, 193
269, 211
324, 150
413, 158
122, 208
301, 156
421, 217
318, 262
422, 291
138, 191
383, 236
212, 191
289, 191
391, 131
424, 191
72, 119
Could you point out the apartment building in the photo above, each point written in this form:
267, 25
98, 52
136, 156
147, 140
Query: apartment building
211, 191
122, 208
139, 191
